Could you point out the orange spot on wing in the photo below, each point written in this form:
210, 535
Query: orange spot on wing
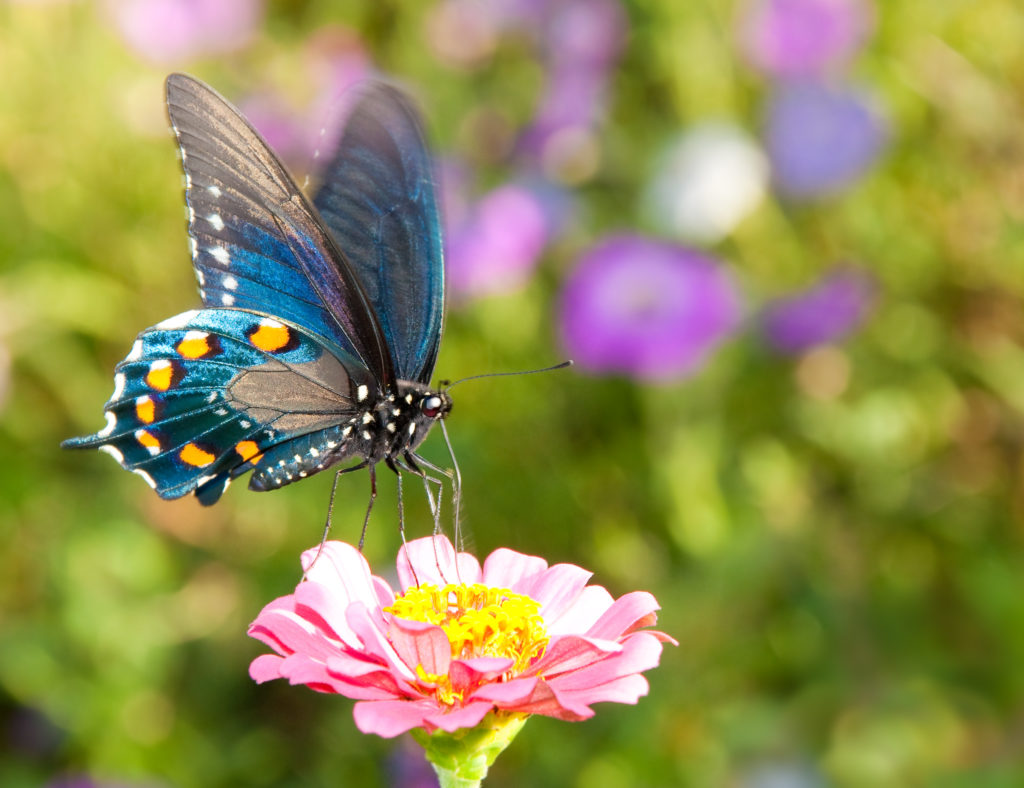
147, 439
247, 450
191, 454
162, 375
194, 347
145, 409
270, 337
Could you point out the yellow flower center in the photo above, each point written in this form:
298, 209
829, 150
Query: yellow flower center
479, 621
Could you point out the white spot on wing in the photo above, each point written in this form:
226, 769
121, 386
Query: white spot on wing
214, 190
391, 426
108, 449
362, 393
215, 221
118, 385
269, 322
136, 353
178, 321
367, 418
229, 282
366, 434
313, 452
199, 274
220, 254
412, 427
227, 299
111, 423
146, 476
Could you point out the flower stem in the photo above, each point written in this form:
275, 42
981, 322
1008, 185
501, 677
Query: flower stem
461, 759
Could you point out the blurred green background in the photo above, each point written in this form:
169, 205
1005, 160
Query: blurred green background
834, 537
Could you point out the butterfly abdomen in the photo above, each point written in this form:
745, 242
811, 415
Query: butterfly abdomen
376, 431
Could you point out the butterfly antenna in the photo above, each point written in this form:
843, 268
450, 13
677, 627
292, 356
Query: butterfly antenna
449, 385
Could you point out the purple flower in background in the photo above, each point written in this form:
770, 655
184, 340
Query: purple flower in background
800, 38
825, 313
820, 138
166, 31
646, 308
494, 244
582, 41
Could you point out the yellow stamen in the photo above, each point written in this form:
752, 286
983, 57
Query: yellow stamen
479, 622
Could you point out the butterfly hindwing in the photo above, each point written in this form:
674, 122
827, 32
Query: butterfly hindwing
257, 243
377, 199
204, 394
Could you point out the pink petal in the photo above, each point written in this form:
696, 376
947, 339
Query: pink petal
508, 694
432, 559
375, 642
286, 632
555, 589
300, 669
265, 667
626, 614
389, 718
626, 689
542, 699
641, 651
343, 572
468, 716
464, 673
504, 568
378, 680
420, 643
588, 606
315, 603
385, 596
572, 652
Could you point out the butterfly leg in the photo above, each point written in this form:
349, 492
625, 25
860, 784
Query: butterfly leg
453, 477
369, 508
456, 478
435, 504
330, 512
397, 468
401, 504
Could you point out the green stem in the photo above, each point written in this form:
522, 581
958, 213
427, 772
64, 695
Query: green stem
461, 759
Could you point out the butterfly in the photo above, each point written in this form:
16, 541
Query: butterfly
321, 320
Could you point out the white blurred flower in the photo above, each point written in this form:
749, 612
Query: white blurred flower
708, 180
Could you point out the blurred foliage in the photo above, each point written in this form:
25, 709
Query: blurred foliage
835, 539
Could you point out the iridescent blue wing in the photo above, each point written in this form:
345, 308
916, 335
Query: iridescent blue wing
203, 395
377, 198
257, 243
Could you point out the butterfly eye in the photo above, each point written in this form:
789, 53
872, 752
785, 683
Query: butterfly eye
430, 406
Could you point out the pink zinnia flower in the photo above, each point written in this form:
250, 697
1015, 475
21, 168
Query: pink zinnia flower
457, 641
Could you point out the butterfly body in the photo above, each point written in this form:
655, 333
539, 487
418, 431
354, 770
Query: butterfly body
321, 320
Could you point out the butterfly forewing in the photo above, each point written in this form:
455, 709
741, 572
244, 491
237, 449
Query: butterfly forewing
257, 242
377, 199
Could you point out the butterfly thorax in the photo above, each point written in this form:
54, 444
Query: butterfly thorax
385, 429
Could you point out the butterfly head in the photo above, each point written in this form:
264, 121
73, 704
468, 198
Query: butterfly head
435, 405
